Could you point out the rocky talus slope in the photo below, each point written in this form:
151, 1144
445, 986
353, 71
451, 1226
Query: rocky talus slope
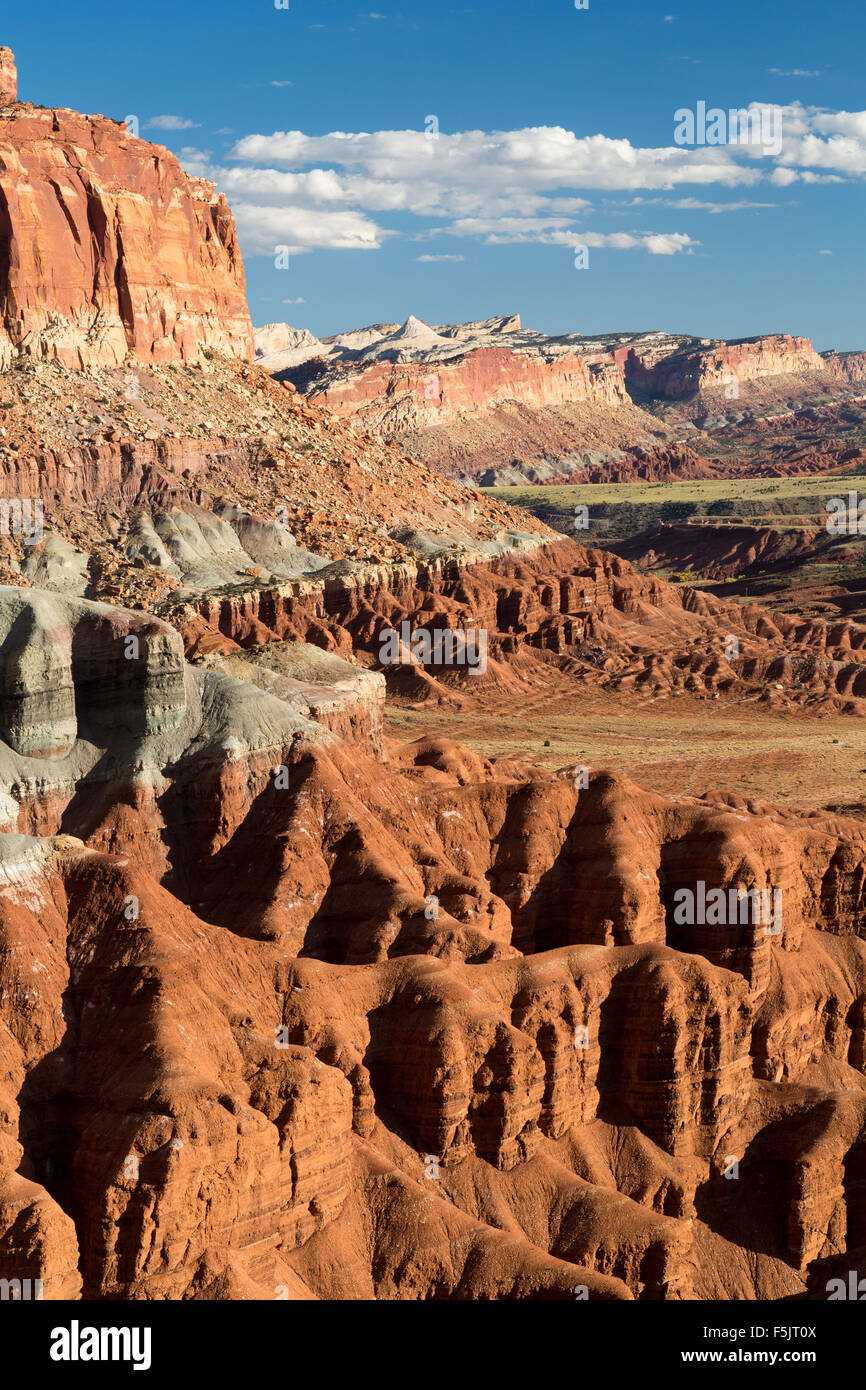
160, 484
282, 1021
231, 505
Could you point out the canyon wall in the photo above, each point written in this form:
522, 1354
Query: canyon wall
846, 366
509, 404
108, 249
393, 396
470, 397
8, 77
706, 366
290, 1010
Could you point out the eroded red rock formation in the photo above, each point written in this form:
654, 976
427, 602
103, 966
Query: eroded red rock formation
8, 77
442, 1003
588, 609
289, 1010
481, 399
701, 367
847, 366
391, 397
107, 248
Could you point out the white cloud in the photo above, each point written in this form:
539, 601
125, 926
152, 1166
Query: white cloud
294, 301
264, 228
665, 243
536, 160
171, 123
334, 190
846, 154
323, 187
428, 260
525, 162
282, 84
699, 204
555, 231
825, 253
795, 72
196, 162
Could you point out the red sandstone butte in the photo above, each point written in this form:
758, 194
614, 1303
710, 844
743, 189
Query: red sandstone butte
107, 248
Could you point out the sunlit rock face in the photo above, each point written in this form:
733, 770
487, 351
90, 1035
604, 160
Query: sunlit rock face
107, 248
282, 1015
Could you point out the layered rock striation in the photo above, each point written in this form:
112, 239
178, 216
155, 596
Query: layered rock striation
108, 249
291, 1011
284, 1022
588, 611
483, 398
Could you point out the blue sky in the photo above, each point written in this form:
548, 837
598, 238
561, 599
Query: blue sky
555, 129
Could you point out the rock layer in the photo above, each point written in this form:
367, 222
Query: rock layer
602, 621
291, 1011
430, 1029
476, 398
8, 77
699, 367
108, 249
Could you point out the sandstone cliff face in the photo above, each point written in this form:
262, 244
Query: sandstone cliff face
291, 1011
846, 366
8, 77
474, 409
108, 249
393, 397
702, 367
495, 398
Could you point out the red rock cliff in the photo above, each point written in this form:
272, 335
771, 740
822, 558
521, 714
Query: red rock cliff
846, 366
107, 248
717, 364
418, 394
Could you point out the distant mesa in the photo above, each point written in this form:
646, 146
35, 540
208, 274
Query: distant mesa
489, 399
279, 346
